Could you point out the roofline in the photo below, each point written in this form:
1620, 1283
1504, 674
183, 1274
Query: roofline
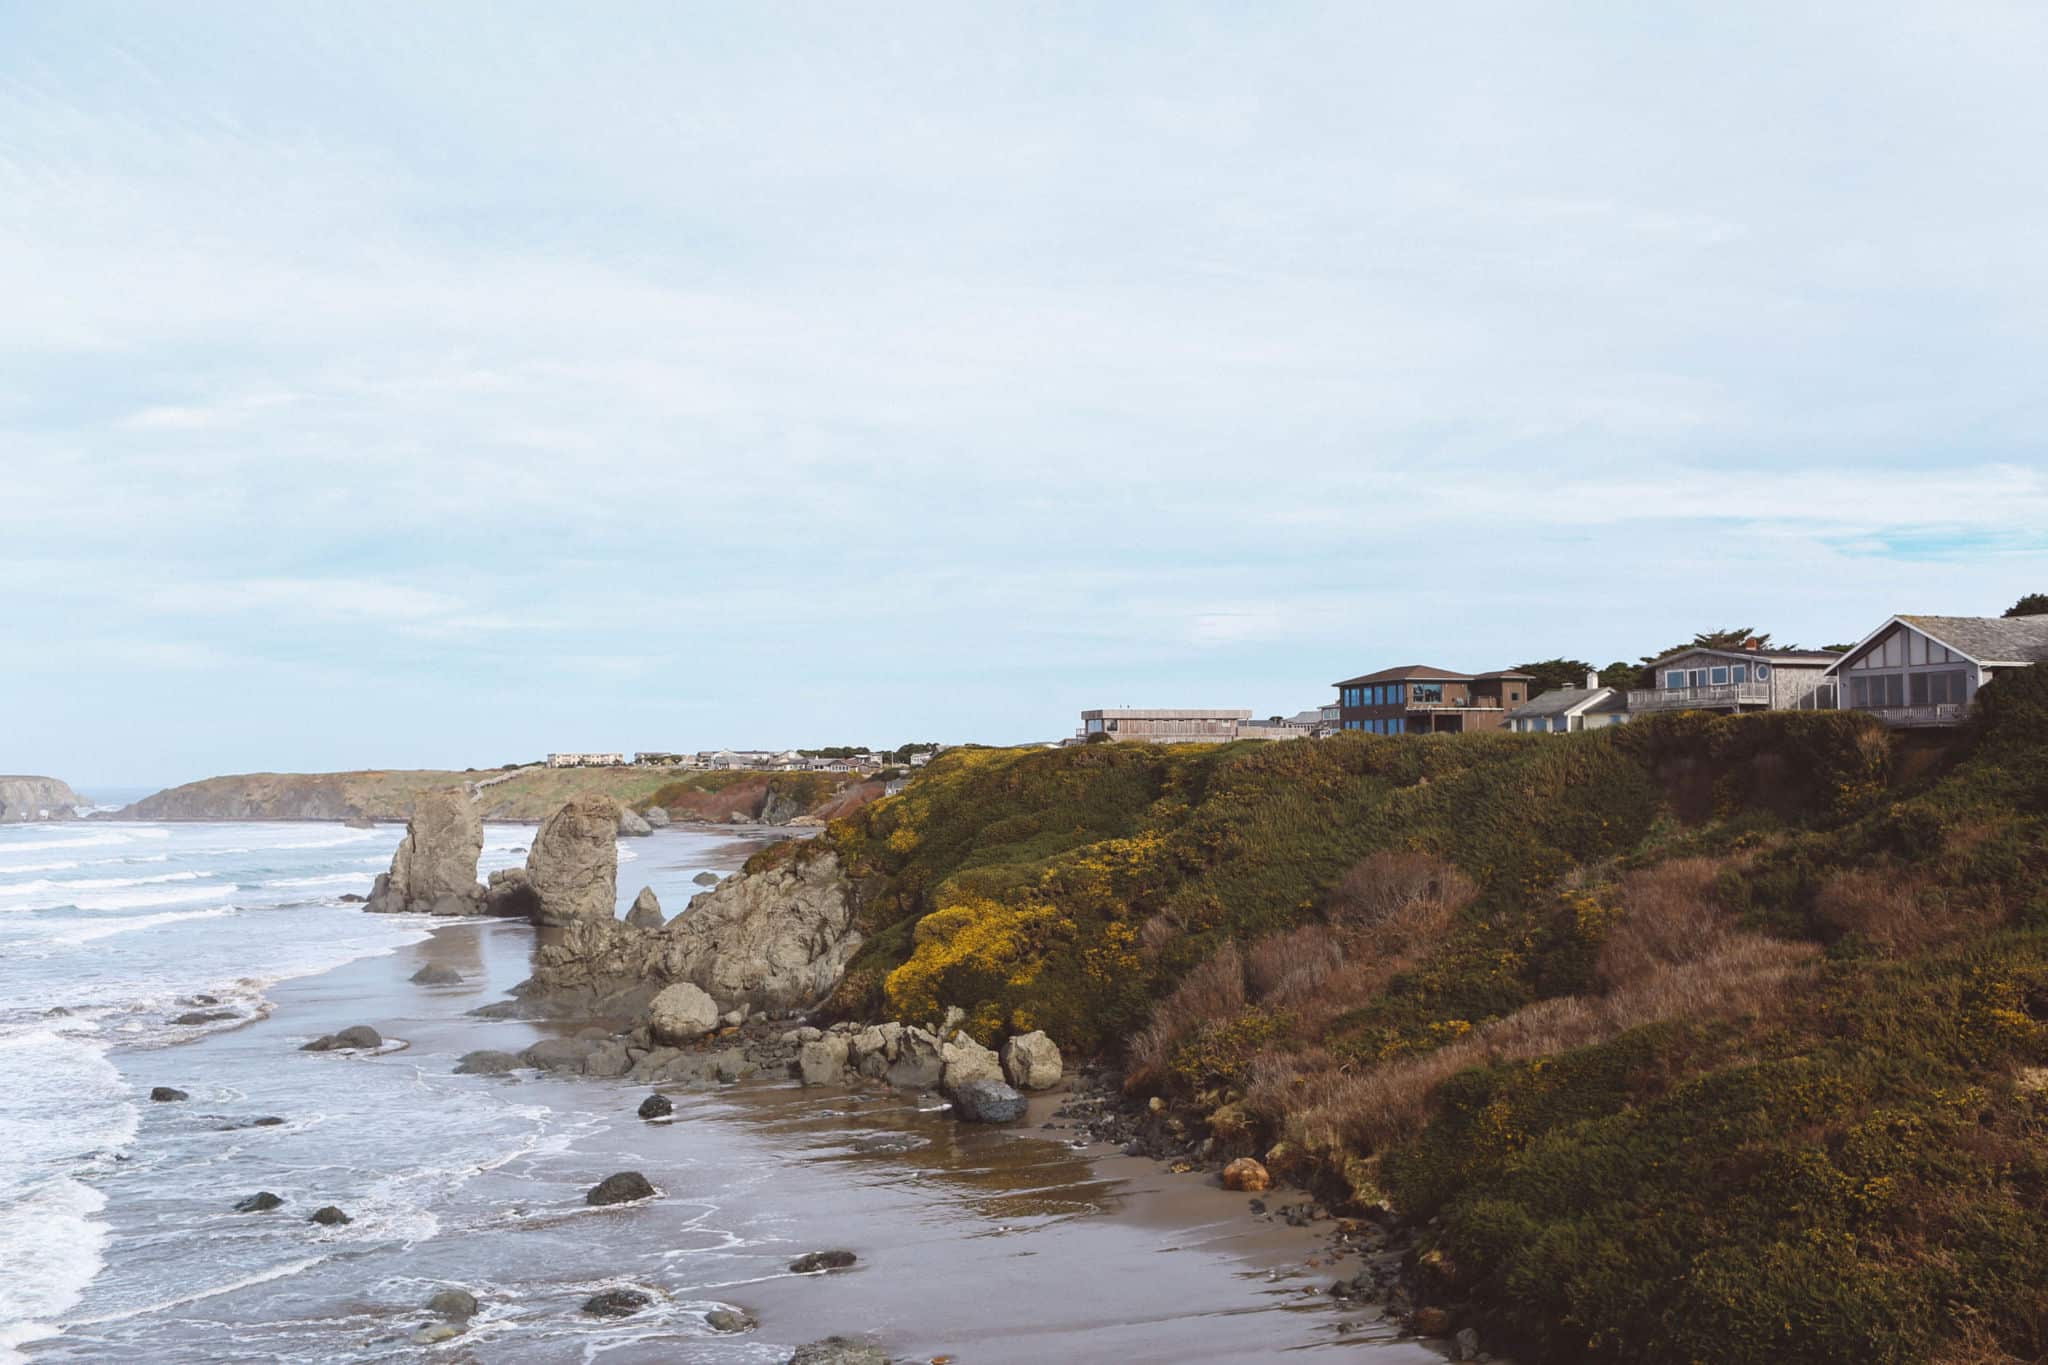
1891, 621
1812, 656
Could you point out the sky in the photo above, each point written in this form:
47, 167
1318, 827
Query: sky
441, 385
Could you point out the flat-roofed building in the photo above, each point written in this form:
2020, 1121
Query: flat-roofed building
586, 760
1170, 726
1417, 699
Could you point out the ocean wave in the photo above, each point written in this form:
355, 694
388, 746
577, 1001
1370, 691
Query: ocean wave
330, 879
131, 899
86, 933
360, 837
42, 886
51, 1248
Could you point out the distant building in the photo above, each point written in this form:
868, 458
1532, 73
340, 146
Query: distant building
662, 760
1163, 727
1746, 678
1416, 699
1925, 670
586, 760
1565, 709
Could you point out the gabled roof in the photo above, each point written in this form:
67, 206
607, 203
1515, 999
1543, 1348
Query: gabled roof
1563, 701
1769, 656
1507, 673
1406, 673
1980, 639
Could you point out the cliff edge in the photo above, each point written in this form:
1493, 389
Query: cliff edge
37, 798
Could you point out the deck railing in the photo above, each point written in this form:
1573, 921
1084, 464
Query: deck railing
1697, 698
1914, 717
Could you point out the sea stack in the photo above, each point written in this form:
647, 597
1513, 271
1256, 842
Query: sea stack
574, 864
434, 870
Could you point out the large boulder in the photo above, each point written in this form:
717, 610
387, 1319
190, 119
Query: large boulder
966, 1060
918, 1064
680, 1013
1031, 1061
656, 816
823, 1060
646, 911
623, 1188
574, 863
987, 1102
632, 825
434, 870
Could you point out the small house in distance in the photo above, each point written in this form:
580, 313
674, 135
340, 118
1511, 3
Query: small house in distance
1147, 726
1925, 670
1565, 709
586, 760
1749, 678
1417, 699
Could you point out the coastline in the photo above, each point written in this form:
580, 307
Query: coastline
1070, 1234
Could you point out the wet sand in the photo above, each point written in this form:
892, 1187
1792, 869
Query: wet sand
992, 1245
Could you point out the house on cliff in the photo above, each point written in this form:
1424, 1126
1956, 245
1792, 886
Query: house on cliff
1917, 671
1416, 699
1565, 709
1747, 678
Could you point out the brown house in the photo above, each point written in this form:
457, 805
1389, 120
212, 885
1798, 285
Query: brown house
1420, 700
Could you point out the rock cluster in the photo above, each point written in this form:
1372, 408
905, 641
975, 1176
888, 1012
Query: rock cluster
361, 1037
434, 870
573, 866
632, 824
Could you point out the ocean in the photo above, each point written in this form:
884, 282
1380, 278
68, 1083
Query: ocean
200, 956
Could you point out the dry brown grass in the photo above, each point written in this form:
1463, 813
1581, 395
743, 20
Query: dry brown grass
1896, 913
1379, 899
1289, 967
1213, 990
1668, 917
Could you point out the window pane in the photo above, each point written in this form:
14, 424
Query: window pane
1895, 689
1720, 676
1920, 681
1742, 673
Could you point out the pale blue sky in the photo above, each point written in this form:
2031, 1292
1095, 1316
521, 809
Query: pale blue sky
441, 384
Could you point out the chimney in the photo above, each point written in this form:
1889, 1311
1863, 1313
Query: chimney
1592, 681
1752, 644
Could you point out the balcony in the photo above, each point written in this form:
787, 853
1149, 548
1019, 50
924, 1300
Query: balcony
1705, 698
1918, 717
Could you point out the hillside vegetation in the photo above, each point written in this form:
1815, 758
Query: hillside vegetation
1700, 1040
527, 794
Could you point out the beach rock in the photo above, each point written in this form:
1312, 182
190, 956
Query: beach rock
987, 1102
657, 1107
204, 1016
839, 1351
918, 1064
706, 879
681, 1012
436, 1332
1465, 1345
822, 1061
487, 1062
656, 816
730, 1320
631, 825
434, 869
646, 911
433, 974
622, 1188
359, 1036
617, 1303
510, 895
608, 1059
966, 1060
453, 1303
816, 1261
559, 1054
330, 1216
1031, 1062
1248, 1175
263, 1201
731, 1065
164, 1094
574, 865
351, 898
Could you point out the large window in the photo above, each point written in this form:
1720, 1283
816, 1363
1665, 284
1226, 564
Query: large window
1427, 692
1675, 678
1397, 693
1720, 676
1741, 672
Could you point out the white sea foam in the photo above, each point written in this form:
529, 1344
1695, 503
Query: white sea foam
15, 869
361, 836
132, 898
98, 929
43, 886
331, 879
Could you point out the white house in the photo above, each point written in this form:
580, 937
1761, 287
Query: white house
586, 760
1565, 709
1925, 670
1749, 678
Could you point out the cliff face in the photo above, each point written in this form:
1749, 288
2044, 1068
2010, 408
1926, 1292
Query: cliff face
36, 798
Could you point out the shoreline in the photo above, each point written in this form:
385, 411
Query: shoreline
980, 1188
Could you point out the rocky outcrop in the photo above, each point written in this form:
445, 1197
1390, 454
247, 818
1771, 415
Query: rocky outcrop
656, 816
574, 863
631, 825
36, 798
510, 894
771, 940
646, 911
966, 1061
434, 870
